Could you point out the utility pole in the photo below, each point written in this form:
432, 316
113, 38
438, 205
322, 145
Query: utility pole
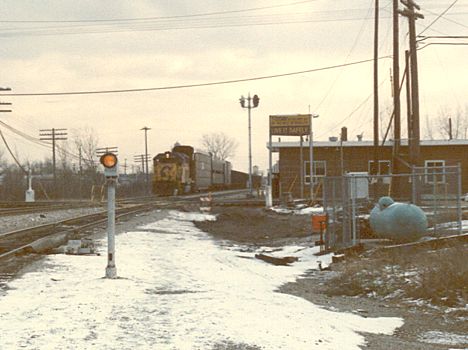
396, 89
375, 169
5, 104
125, 166
412, 15
146, 156
143, 159
53, 135
408, 101
140, 158
80, 170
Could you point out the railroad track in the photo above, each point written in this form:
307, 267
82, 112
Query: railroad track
39, 239
15, 208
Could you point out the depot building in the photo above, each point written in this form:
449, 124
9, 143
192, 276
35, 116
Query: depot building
291, 173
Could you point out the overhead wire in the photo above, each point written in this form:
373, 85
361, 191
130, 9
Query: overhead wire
164, 27
11, 152
184, 86
358, 107
43, 143
162, 17
353, 46
438, 17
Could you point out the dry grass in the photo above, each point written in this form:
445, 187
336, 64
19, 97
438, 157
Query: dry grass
437, 276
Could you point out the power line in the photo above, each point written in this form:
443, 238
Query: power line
173, 87
222, 23
161, 17
11, 152
439, 16
354, 110
447, 19
44, 144
346, 59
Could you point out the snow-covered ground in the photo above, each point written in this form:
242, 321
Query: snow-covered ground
176, 289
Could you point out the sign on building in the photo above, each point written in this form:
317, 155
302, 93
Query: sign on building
290, 125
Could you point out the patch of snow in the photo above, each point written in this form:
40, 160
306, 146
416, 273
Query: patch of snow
444, 338
453, 225
175, 291
299, 211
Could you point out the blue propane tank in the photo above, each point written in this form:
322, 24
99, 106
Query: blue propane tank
399, 221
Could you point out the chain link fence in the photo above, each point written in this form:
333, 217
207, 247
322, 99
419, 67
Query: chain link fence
349, 199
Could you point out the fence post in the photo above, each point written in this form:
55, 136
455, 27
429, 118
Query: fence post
459, 195
353, 208
333, 196
434, 199
413, 184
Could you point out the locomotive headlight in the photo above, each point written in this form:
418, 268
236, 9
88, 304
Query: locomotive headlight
109, 161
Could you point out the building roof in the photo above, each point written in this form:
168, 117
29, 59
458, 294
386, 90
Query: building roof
404, 142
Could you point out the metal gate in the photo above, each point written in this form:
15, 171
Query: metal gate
349, 199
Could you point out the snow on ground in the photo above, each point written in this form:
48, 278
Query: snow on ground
444, 338
299, 210
452, 226
176, 289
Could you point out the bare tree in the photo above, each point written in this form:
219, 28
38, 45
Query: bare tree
452, 124
3, 162
385, 117
219, 144
428, 132
86, 142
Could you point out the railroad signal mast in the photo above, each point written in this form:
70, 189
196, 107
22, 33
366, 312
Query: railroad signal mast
110, 162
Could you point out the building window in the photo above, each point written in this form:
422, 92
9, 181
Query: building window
435, 171
320, 170
384, 167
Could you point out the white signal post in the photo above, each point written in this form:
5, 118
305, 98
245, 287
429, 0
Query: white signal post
110, 163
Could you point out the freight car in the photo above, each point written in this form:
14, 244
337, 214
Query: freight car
183, 170
240, 179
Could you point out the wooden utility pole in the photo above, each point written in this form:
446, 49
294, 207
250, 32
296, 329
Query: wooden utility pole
396, 89
412, 15
375, 168
146, 157
53, 135
408, 101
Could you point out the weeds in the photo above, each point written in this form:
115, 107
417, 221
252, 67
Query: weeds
439, 277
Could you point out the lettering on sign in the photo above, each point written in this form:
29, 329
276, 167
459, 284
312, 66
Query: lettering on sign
290, 125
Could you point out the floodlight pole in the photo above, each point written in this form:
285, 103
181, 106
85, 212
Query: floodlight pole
249, 106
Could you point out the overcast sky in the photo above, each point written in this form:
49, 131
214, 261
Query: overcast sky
66, 46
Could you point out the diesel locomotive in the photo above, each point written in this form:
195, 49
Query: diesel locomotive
183, 170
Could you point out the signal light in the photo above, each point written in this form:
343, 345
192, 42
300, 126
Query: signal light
109, 161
